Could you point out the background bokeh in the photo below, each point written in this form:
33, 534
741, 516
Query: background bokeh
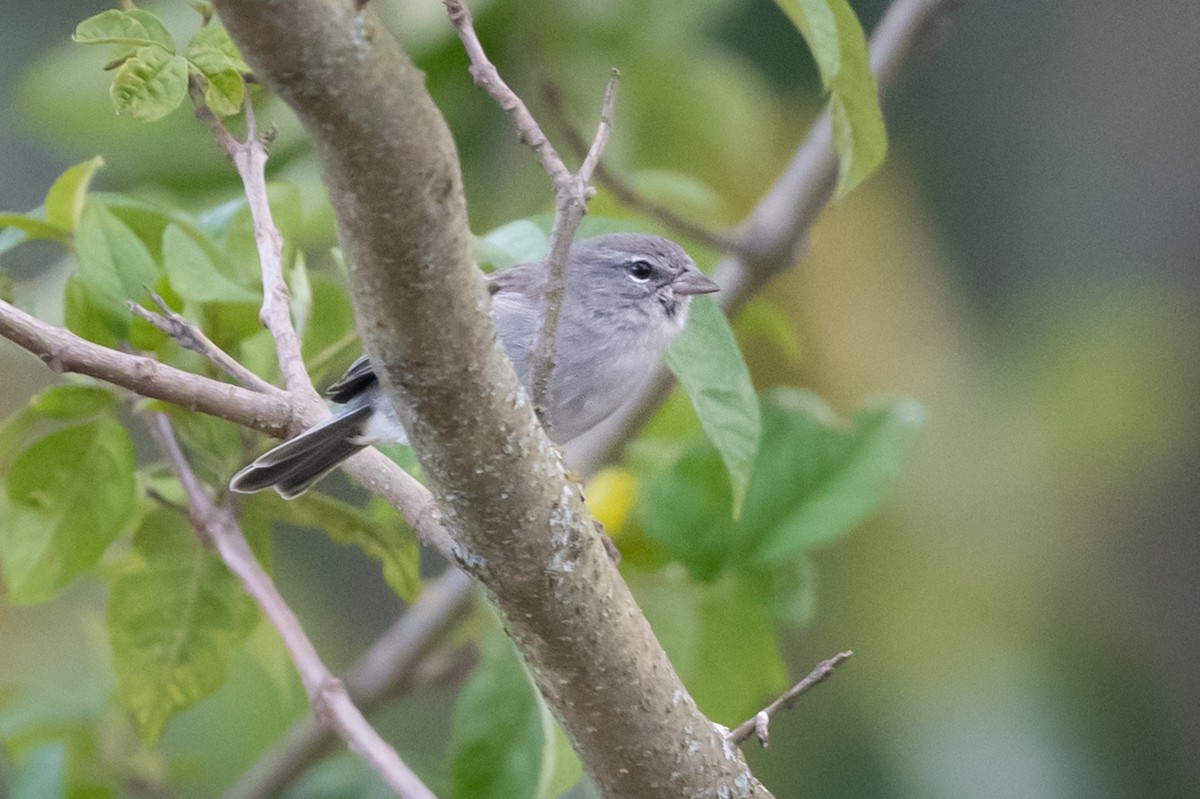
1025, 607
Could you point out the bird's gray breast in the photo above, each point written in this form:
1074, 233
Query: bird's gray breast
603, 357
606, 348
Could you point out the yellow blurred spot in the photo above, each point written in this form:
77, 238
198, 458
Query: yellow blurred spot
610, 496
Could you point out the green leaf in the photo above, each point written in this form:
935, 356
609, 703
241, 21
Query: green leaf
721, 638
68, 496
839, 47
213, 54
33, 227
84, 318
211, 51
68, 402
192, 273
72, 401
150, 84
150, 221
504, 742
814, 477
688, 509
706, 359
560, 769
224, 92
129, 30
329, 337
760, 318
821, 476
175, 617
517, 242
380, 533
64, 201
114, 265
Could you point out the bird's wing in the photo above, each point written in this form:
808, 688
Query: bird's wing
358, 377
523, 279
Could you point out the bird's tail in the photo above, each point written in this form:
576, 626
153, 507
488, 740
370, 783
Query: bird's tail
295, 465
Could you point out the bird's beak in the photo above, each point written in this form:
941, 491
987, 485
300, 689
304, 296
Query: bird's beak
692, 281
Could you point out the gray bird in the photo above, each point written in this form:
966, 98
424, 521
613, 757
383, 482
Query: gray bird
627, 295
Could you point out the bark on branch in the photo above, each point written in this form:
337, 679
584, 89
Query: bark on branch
519, 524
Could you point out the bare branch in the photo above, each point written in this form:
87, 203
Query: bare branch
570, 204
487, 77
758, 725
371, 468
270, 412
273, 412
191, 337
388, 670
522, 526
61, 352
603, 130
219, 528
250, 160
781, 220
625, 193
571, 190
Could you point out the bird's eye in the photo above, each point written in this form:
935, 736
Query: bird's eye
640, 271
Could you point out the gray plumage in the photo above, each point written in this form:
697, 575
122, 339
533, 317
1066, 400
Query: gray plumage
627, 295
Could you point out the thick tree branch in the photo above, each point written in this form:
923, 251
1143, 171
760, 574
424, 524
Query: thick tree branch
218, 527
275, 413
520, 525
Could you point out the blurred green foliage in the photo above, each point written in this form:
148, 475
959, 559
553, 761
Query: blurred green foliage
729, 507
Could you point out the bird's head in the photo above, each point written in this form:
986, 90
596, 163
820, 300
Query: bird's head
649, 276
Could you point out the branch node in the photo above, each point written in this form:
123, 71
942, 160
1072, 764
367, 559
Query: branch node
762, 724
759, 725
191, 337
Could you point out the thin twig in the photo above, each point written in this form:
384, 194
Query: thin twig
758, 725
250, 160
218, 527
570, 204
624, 192
371, 468
62, 351
487, 77
571, 190
274, 412
191, 337
603, 130
393, 665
